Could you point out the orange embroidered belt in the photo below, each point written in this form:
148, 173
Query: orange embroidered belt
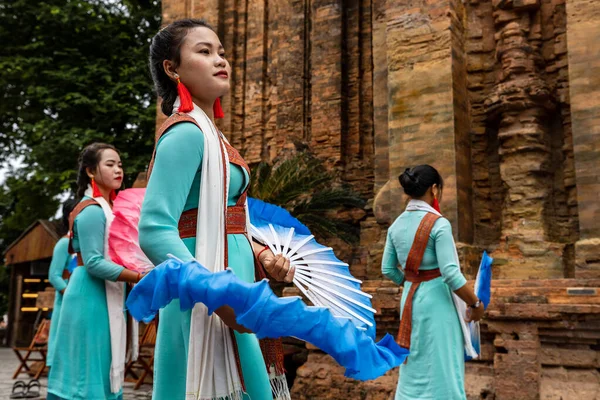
235, 224
406, 324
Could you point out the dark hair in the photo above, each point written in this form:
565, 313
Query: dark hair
89, 158
166, 45
67, 207
417, 180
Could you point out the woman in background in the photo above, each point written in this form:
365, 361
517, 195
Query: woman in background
420, 242
90, 341
58, 277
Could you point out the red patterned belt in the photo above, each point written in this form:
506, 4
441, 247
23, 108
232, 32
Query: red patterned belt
405, 329
424, 275
235, 224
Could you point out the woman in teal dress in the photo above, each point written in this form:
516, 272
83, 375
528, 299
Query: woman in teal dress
435, 367
57, 277
81, 368
189, 53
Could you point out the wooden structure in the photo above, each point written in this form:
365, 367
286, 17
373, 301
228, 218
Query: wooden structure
145, 361
29, 258
38, 345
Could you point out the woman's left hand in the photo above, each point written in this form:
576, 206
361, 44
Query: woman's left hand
475, 314
277, 266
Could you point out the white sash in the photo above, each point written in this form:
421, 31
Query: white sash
211, 367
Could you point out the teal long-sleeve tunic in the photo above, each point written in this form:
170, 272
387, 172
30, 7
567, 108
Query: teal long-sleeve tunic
435, 367
173, 188
81, 364
60, 262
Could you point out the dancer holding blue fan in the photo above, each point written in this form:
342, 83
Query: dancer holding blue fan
420, 253
195, 227
195, 209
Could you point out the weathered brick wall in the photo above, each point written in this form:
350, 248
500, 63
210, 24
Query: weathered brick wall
539, 342
583, 45
502, 96
522, 152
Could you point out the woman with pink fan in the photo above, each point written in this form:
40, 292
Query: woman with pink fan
91, 334
195, 208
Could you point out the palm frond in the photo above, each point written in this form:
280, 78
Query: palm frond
304, 187
322, 226
291, 179
327, 199
260, 173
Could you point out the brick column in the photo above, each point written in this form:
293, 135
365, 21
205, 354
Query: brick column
427, 120
517, 368
326, 79
583, 38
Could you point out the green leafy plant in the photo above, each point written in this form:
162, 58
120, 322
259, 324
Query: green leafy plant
302, 185
72, 72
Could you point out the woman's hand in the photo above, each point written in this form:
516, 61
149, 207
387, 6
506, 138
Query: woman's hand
475, 314
277, 266
468, 296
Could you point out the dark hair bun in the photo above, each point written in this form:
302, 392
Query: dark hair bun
416, 181
409, 182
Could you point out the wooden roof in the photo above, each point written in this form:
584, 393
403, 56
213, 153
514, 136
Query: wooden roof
35, 243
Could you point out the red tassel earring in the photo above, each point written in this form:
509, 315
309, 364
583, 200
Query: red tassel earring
95, 191
218, 110
185, 98
436, 205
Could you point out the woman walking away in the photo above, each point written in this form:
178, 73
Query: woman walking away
420, 253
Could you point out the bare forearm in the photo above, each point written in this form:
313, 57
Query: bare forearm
129, 276
466, 294
257, 248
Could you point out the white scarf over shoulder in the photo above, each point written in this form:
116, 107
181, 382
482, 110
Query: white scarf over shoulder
212, 369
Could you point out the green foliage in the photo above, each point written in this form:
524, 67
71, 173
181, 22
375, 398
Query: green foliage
308, 191
72, 72
23, 201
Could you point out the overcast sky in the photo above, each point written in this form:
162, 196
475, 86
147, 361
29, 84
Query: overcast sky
10, 164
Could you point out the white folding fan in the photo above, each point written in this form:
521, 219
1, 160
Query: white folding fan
320, 275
